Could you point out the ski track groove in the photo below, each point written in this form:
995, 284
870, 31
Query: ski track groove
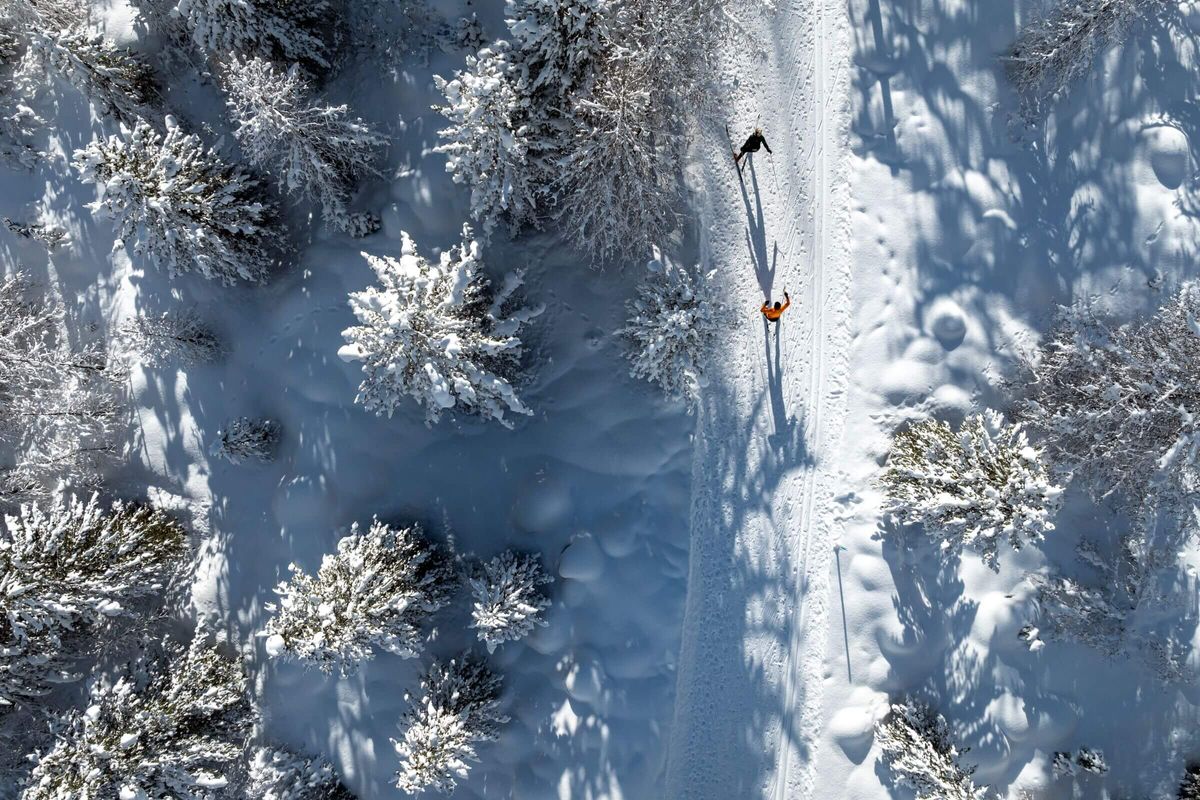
793, 526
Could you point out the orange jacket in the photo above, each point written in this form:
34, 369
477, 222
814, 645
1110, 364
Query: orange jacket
772, 313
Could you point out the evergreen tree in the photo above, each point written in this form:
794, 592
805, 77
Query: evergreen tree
118, 82
488, 141
508, 601
181, 205
317, 151
280, 775
559, 43
457, 708
59, 401
672, 327
975, 487
1189, 789
919, 754
438, 333
376, 591
67, 568
176, 731
291, 31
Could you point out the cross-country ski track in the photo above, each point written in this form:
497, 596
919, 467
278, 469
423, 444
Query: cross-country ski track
751, 662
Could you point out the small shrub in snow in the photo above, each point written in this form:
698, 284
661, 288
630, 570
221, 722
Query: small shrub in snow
1087, 760
973, 487
508, 601
1060, 47
180, 204
487, 143
375, 592
919, 754
672, 328
118, 82
1189, 789
457, 708
280, 30
178, 336
1118, 407
439, 334
67, 567
58, 399
318, 151
177, 732
18, 124
246, 439
280, 775
48, 234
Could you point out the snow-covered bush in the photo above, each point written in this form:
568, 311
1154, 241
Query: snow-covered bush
246, 439
973, 487
173, 336
67, 568
118, 82
292, 31
1085, 759
1118, 407
919, 754
508, 602
58, 398
178, 731
457, 708
439, 334
1060, 47
673, 325
1189, 788
18, 122
47, 233
558, 43
180, 204
317, 151
487, 142
376, 591
281, 775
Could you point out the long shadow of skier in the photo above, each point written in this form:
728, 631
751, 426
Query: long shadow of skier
787, 440
756, 234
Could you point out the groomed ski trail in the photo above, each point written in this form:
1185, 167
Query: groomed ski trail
751, 660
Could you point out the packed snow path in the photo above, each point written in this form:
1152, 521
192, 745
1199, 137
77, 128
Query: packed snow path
762, 536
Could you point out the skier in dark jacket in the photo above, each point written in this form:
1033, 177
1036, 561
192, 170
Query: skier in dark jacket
752, 145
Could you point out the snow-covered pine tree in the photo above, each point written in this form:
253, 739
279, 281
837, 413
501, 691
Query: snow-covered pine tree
616, 184
973, 487
290, 31
179, 730
558, 44
181, 205
69, 567
508, 602
117, 81
18, 122
281, 775
171, 337
376, 591
317, 151
458, 707
919, 754
487, 143
58, 398
439, 334
1189, 788
245, 439
1060, 47
1119, 407
672, 325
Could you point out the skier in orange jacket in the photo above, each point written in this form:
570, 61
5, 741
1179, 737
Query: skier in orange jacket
774, 312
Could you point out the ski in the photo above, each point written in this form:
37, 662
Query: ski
733, 150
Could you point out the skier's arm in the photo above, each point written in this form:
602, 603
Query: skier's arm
787, 302
764, 141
